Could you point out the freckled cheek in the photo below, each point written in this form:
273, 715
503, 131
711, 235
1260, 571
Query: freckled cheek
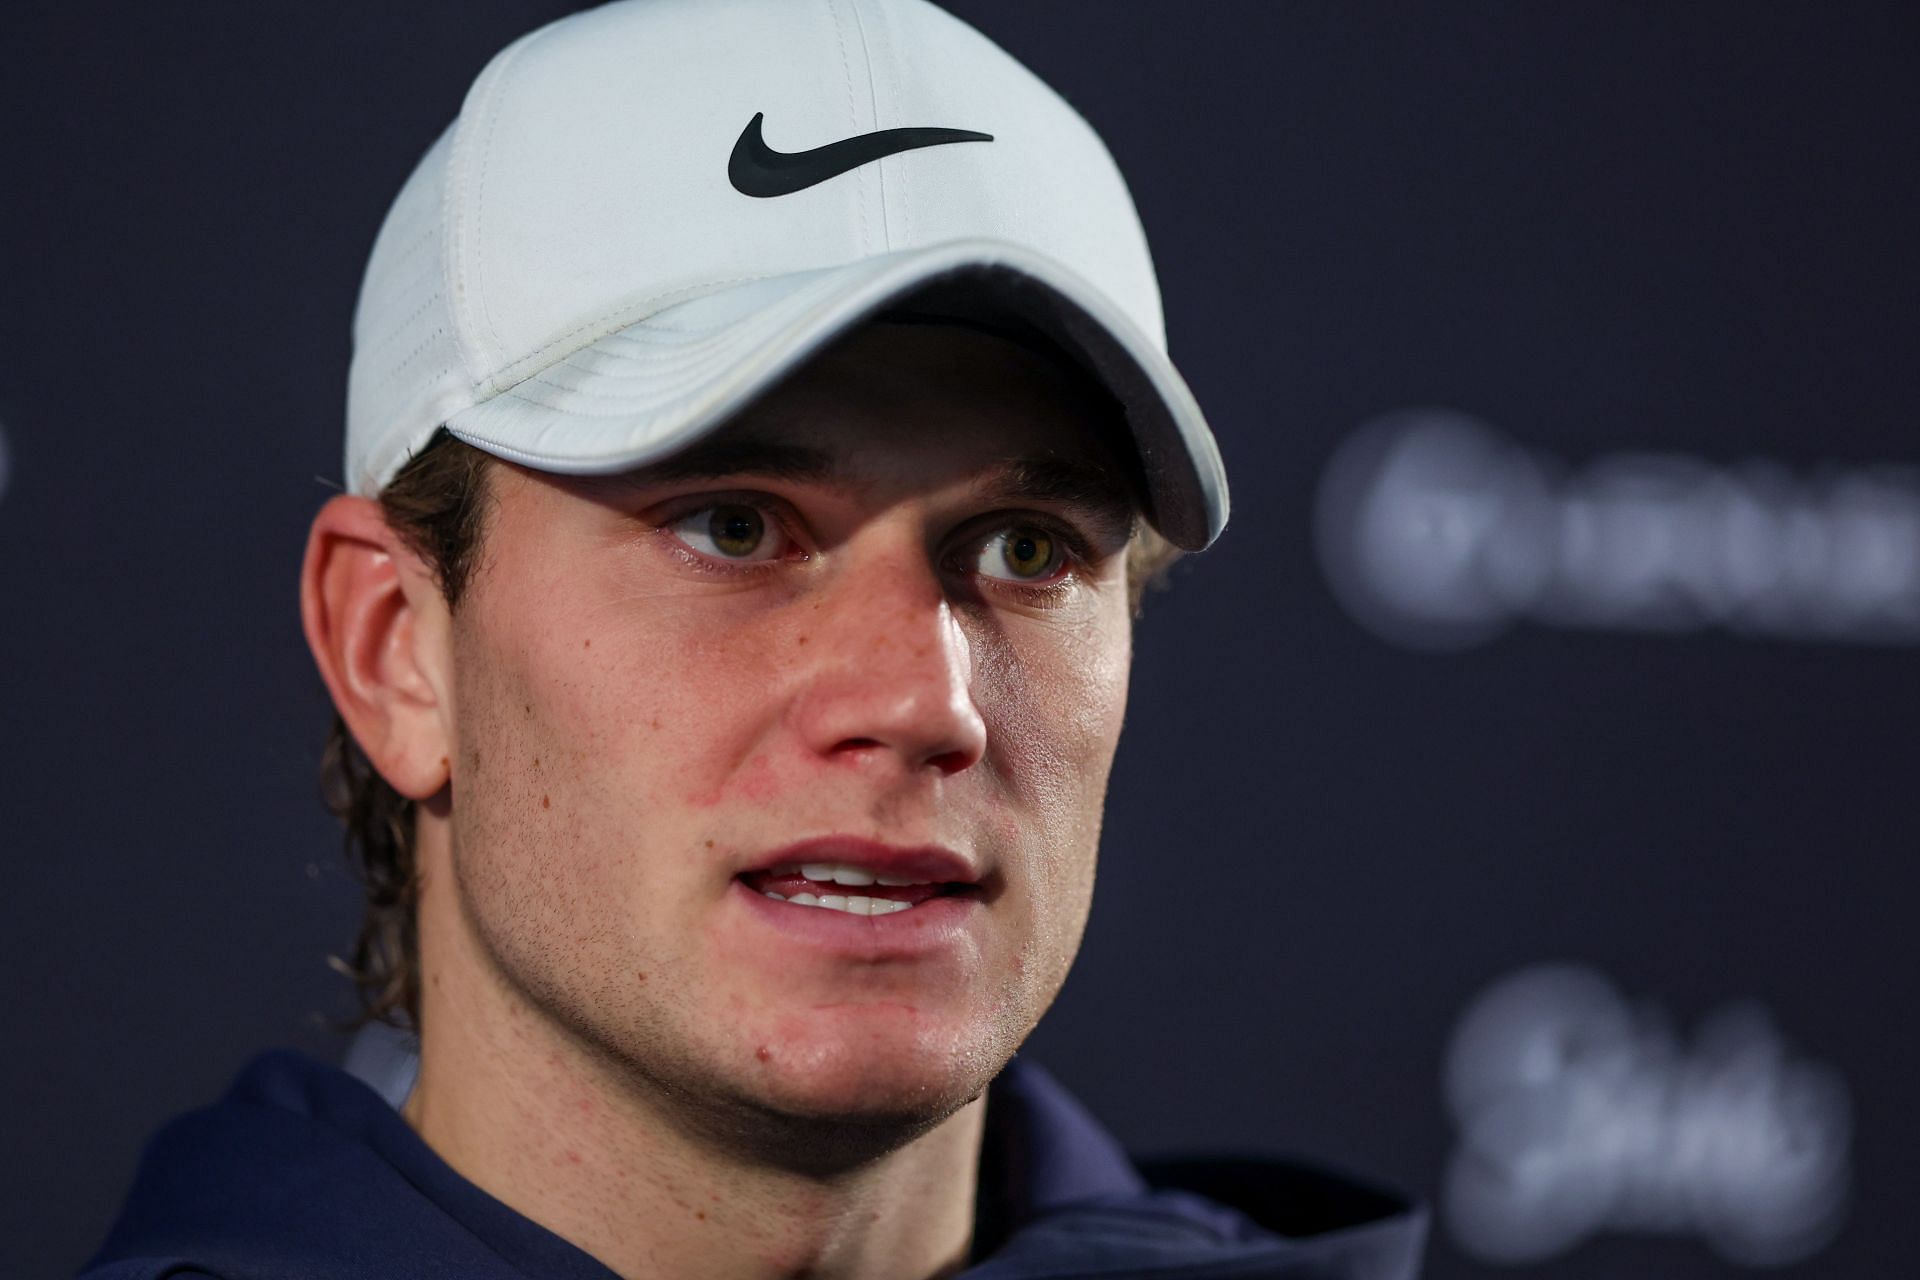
653, 717
543, 737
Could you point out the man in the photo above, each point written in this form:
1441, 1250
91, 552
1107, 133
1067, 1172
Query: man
759, 435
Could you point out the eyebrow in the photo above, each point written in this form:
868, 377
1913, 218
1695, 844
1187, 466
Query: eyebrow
736, 453
1096, 491
1050, 477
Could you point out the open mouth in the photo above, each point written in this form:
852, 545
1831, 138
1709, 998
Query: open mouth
854, 890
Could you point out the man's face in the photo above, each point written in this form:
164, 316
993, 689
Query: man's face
662, 680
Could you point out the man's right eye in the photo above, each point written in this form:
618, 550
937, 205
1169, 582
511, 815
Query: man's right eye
727, 531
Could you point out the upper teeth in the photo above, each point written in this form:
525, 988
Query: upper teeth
850, 903
843, 873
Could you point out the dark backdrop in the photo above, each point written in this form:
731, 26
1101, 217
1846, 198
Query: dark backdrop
1681, 228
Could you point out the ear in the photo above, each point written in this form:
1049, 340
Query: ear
377, 625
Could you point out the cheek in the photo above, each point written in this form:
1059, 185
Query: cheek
518, 797
547, 796
1054, 703
586, 728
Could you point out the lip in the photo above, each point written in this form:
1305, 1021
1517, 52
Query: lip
930, 862
940, 928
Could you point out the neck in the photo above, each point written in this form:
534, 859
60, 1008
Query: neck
591, 1150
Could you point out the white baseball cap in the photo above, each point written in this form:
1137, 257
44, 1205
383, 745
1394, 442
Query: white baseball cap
647, 213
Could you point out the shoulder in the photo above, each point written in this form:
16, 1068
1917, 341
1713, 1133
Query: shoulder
1059, 1196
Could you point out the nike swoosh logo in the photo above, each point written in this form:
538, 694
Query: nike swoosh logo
756, 169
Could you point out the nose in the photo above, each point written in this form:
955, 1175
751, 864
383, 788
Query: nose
891, 670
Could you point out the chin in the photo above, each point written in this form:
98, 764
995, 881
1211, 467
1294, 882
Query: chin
874, 1067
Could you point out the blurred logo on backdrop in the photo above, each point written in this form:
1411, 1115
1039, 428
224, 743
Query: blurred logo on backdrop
1438, 532
1578, 1114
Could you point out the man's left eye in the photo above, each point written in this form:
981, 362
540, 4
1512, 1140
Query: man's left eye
726, 531
740, 533
1027, 553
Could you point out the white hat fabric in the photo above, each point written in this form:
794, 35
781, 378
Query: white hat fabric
648, 212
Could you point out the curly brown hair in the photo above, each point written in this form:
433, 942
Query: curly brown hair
437, 505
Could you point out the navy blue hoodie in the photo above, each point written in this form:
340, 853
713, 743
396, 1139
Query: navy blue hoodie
304, 1172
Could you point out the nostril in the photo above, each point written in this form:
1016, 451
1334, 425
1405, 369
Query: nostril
951, 762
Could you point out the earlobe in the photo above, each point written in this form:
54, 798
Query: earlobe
375, 623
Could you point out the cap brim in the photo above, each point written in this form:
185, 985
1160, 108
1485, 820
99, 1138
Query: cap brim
639, 394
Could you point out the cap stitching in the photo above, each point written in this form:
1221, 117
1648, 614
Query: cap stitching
638, 307
903, 193
643, 364
399, 330
420, 240
873, 98
450, 277
663, 387
667, 333
659, 342
600, 321
480, 223
622, 347
853, 120
480, 184
652, 362
420, 349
